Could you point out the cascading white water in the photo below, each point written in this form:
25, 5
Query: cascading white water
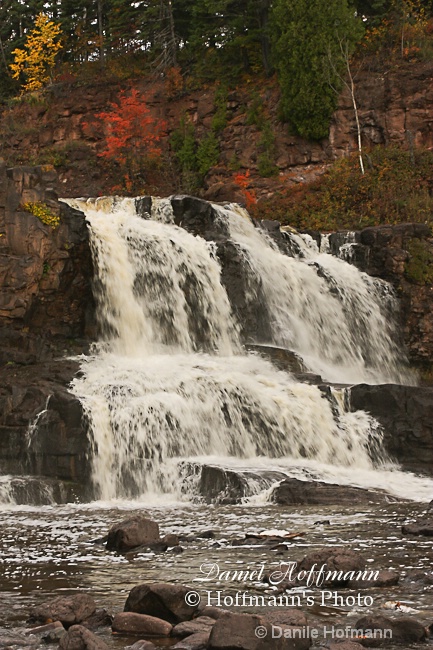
157, 284
147, 411
323, 308
171, 382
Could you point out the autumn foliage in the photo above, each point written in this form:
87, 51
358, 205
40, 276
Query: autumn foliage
133, 134
36, 61
243, 181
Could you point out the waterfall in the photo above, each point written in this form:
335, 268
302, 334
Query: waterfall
324, 309
171, 382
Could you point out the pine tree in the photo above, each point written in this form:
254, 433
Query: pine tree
307, 37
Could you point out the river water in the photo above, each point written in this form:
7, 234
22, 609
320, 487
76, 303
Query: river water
49, 551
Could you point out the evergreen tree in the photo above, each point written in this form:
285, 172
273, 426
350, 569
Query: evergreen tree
307, 39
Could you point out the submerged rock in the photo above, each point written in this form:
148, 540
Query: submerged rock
132, 623
401, 630
131, 533
80, 638
292, 491
421, 527
162, 600
69, 610
197, 641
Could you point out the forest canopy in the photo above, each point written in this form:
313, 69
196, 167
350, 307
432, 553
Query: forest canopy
304, 42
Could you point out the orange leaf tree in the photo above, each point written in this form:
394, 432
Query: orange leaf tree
133, 134
243, 181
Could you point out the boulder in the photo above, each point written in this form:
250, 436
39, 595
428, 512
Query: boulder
292, 491
338, 560
163, 600
225, 485
132, 623
384, 579
403, 630
422, 527
131, 533
100, 618
252, 632
80, 638
201, 624
196, 641
141, 645
69, 610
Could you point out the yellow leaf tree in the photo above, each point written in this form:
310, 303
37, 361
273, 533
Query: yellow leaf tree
36, 61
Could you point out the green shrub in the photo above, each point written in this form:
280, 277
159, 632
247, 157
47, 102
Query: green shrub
419, 267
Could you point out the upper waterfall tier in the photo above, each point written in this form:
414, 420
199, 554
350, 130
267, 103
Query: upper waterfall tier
160, 284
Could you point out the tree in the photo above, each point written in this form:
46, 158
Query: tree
36, 61
305, 34
133, 134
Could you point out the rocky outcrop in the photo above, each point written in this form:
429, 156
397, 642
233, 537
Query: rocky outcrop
46, 302
402, 255
406, 414
46, 312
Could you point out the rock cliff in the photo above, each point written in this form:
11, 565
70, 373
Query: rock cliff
395, 106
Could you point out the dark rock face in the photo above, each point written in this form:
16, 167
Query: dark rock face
292, 491
46, 311
131, 533
58, 446
162, 600
406, 414
198, 217
385, 252
45, 274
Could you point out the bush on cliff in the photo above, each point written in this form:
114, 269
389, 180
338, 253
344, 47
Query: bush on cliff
397, 187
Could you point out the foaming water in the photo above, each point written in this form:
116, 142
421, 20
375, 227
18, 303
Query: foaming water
147, 414
156, 283
172, 386
323, 308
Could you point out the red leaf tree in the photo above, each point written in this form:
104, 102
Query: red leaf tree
243, 181
133, 134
